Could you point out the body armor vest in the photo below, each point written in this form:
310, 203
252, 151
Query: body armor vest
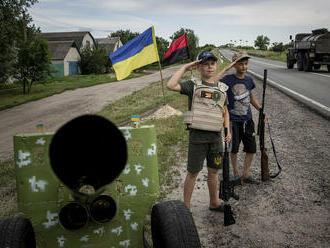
207, 107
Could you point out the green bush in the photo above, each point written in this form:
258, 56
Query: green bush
94, 61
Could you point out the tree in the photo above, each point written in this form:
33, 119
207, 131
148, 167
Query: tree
207, 47
162, 46
277, 47
261, 42
193, 41
33, 62
124, 35
94, 61
13, 13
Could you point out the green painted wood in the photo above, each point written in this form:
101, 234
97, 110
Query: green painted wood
58, 70
41, 195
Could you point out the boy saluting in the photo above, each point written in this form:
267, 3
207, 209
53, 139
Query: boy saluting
205, 120
240, 95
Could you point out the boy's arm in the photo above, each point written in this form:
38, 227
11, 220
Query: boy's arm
254, 101
173, 83
222, 72
226, 123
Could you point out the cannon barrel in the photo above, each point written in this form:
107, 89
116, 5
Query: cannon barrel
88, 151
86, 154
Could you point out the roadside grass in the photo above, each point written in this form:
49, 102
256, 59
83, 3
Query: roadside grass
12, 95
280, 56
172, 137
7, 189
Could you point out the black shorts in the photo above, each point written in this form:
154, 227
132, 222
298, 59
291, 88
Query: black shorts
243, 131
197, 152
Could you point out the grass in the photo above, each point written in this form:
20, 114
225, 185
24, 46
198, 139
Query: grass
280, 56
12, 95
172, 137
7, 189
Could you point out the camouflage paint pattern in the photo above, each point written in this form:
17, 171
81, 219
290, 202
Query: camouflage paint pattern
41, 195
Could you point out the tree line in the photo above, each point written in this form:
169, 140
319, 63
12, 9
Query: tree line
262, 42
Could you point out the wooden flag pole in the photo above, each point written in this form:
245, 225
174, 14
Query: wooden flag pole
161, 77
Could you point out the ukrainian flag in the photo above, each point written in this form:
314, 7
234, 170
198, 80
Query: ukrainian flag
138, 52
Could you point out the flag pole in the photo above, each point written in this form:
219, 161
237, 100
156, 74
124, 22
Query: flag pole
161, 77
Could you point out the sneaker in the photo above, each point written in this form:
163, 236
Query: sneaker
251, 180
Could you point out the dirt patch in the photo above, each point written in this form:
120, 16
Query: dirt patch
163, 112
292, 210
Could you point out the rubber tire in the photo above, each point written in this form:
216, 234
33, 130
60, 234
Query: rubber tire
300, 61
317, 67
289, 63
172, 226
307, 65
17, 233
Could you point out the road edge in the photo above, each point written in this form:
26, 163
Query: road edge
318, 107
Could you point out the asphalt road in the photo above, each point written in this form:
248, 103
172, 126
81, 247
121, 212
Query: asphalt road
56, 110
311, 88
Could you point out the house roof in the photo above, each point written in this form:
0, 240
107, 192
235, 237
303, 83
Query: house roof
67, 36
108, 44
59, 49
108, 40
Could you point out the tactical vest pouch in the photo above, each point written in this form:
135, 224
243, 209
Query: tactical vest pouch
207, 107
187, 117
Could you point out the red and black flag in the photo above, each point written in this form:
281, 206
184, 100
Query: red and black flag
178, 51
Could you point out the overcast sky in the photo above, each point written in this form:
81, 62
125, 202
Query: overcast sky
213, 21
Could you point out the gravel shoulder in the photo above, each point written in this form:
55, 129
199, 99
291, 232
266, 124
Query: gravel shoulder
292, 210
55, 110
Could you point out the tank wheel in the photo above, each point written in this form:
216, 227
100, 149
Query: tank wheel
172, 225
317, 67
289, 63
17, 233
300, 61
328, 66
307, 65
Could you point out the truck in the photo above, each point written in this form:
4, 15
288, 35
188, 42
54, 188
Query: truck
310, 50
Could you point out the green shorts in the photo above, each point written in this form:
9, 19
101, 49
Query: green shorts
197, 152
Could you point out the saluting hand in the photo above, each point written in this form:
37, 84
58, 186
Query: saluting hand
192, 66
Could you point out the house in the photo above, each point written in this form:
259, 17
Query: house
109, 44
64, 57
82, 39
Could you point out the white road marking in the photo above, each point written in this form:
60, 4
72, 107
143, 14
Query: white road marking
321, 74
325, 108
268, 64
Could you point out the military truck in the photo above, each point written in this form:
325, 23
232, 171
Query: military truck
310, 50
92, 185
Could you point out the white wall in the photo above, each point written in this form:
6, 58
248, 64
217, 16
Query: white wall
87, 38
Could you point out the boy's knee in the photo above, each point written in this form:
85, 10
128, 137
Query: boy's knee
192, 175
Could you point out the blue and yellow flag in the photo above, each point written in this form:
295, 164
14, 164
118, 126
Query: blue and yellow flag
138, 52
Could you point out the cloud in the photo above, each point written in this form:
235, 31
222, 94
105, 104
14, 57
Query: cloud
275, 13
239, 12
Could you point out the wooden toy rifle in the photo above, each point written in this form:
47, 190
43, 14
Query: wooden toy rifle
261, 133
